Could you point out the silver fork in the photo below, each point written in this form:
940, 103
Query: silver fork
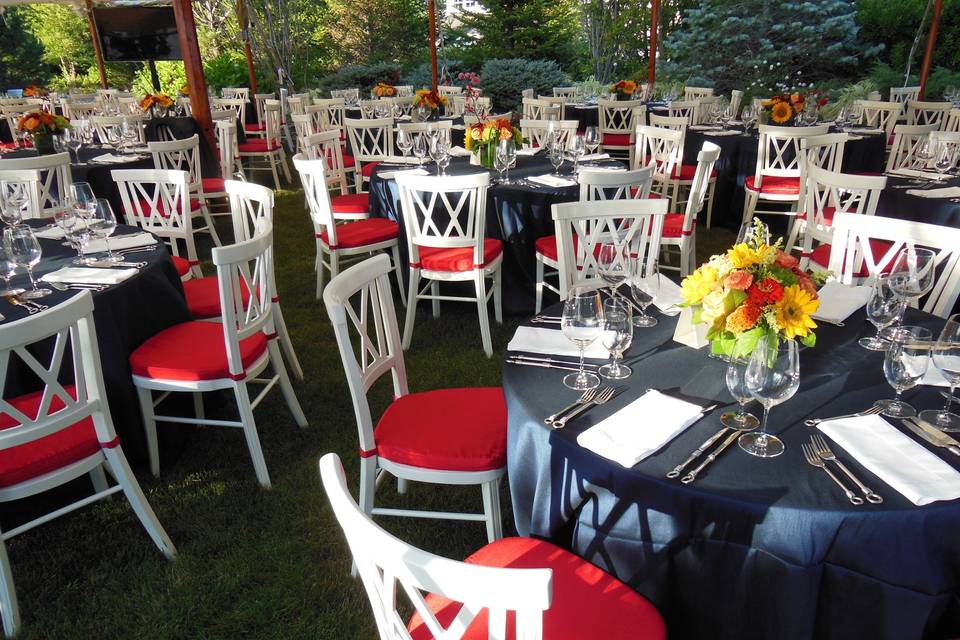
813, 459
823, 450
812, 422
601, 398
586, 397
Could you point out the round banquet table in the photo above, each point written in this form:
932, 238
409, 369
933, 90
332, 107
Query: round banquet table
517, 214
896, 202
125, 315
754, 548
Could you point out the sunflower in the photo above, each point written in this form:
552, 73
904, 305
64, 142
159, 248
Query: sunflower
698, 284
743, 255
781, 112
793, 312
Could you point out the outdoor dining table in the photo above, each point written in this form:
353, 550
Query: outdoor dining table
125, 316
754, 547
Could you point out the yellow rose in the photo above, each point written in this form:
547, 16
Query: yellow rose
714, 309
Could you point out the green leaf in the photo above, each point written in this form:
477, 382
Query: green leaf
809, 340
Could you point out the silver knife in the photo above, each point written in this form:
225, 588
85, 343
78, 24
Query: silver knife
937, 438
690, 477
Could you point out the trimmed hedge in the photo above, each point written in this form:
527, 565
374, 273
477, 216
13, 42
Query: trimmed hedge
504, 80
361, 76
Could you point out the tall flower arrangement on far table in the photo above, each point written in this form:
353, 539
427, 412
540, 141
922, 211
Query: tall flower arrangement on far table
41, 127
624, 89
784, 110
153, 101
429, 99
384, 90
483, 138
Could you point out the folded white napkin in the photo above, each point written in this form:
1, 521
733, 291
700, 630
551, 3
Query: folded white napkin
704, 127
946, 192
641, 428
722, 133
838, 301
914, 173
551, 181
459, 152
399, 160
50, 233
83, 275
389, 175
552, 342
895, 458
668, 297
112, 158
123, 242
735, 123
529, 151
863, 130
594, 156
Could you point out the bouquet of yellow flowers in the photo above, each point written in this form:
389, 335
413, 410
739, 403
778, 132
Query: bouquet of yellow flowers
158, 100
33, 91
483, 137
384, 90
41, 122
429, 98
783, 109
751, 291
624, 89
185, 90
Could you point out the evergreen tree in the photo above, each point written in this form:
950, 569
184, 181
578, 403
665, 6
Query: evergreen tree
21, 56
370, 31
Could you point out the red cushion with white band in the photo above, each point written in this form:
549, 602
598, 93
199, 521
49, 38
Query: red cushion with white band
458, 260
192, 351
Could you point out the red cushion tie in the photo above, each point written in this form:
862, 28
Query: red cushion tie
415, 265
806, 254
238, 376
275, 299
272, 336
193, 263
477, 266
684, 232
368, 453
113, 444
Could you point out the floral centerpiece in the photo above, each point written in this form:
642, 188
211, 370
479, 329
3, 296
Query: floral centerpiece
785, 109
751, 291
185, 90
384, 90
33, 91
42, 126
484, 137
624, 89
431, 100
153, 101
470, 93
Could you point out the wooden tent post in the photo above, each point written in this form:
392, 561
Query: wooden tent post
97, 49
247, 51
192, 64
654, 28
432, 11
931, 43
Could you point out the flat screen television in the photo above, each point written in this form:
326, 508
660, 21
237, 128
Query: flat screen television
129, 34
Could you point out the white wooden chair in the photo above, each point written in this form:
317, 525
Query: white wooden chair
44, 179
921, 113
101, 124
679, 229
864, 246
827, 193
370, 142
444, 436
662, 148
907, 141
880, 115
449, 90
184, 155
195, 357
678, 123
229, 157
697, 93
444, 219
594, 185
404, 90
76, 110
258, 129
239, 108
953, 121
705, 112
689, 109
780, 169
302, 127
346, 205
903, 95
537, 133
62, 431
634, 227
572, 94
331, 113
242, 93
268, 151
533, 109
553, 102
342, 243
618, 123
185, 104
521, 588
12, 113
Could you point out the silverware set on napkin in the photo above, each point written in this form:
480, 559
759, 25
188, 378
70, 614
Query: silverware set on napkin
818, 454
931, 434
590, 398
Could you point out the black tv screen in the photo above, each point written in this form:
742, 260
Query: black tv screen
129, 34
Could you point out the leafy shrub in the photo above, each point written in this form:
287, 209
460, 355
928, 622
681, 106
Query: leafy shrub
504, 80
939, 80
229, 69
361, 76
419, 76
885, 76
172, 78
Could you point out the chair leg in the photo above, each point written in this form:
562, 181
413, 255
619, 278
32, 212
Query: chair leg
150, 427
491, 509
320, 267
399, 273
120, 470
288, 394
198, 405
250, 433
283, 165
368, 483
273, 168
539, 303
749, 206
205, 212
412, 299
481, 291
286, 342
435, 291
8, 595
402, 485
710, 190
497, 297
99, 479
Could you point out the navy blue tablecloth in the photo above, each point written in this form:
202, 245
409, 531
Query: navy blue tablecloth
755, 548
895, 202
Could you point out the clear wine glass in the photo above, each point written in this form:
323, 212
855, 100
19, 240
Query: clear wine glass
912, 277
114, 137
616, 337
946, 358
772, 377
613, 265
420, 148
500, 163
737, 386
883, 308
102, 224
904, 365
577, 148
443, 156
13, 198
582, 323
22, 247
404, 143
130, 133
943, 160
8, 269
923, 156
556, 157
591, 137
74, 142
509, 151
644, 287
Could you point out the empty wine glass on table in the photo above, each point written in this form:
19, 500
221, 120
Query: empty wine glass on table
616, 337
644, 286
737, 386
946, 358
772, 377
73, 140
102, 224
404, 142
443, 156
13, 200
8, 269
591, 138
500, 163
508, 150
577, 149
24, 250
556, 157
911, 277
420, 148
114, 137
904, 365
613, 265
883, 308
582, 323
943, 159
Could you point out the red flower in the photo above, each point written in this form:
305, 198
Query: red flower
785, 260
764, 292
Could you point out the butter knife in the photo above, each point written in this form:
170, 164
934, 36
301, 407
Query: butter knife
690, 477
934, 436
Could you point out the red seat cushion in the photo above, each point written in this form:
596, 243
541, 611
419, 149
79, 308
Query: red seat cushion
348, 160
162, 206
182, 265
49, 453
256, 126
203, 296
257, 146
451, 429
436, 259
821, 255
367, 169
827, 215
686, 172
192, 351
587, 603
775, 185
213, 185
617, 139
547, 247
351, 203
673, 225
363, 232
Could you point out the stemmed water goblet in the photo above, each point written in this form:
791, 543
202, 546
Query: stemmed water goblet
114, 137
616, 337
613, 265
911, 277
883, 308
737, 386
904, 365
508, 150
13, 199
644, 286
556, 157
923, 155
582, 323
8, 269
578, 148
443, 156
772, 377
130, 133
591, 138
420, 148
73, 142
24, 250
946, 358
404, 142
501, 164
103, 222
944, 158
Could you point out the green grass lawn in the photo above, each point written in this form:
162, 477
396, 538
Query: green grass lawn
256, 563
